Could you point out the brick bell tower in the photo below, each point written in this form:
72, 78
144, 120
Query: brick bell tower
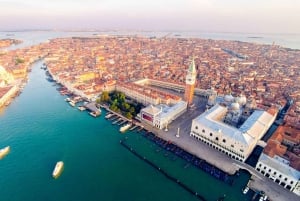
190, 81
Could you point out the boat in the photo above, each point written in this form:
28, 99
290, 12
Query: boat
58, 169
94, 114
246, 190
72, 103
125, 127
4, 151
81, 108
108, 116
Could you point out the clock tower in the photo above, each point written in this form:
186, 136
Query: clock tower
190, 81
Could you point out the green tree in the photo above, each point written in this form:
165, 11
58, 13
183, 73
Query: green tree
125, 106
105, 96
128, 115
132, 110
19, 61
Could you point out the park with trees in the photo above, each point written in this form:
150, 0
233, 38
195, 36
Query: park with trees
117, 102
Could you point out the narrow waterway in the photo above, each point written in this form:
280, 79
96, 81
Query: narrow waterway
41, 129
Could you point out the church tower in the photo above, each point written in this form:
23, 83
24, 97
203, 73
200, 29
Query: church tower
190, 81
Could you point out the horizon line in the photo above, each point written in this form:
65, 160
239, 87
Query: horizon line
137, 30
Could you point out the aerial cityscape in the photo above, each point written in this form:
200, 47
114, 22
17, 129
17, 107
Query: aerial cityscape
139, 112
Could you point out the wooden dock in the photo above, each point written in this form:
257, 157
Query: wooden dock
114, 118
141, 129
122, 122
115, 122
134, 127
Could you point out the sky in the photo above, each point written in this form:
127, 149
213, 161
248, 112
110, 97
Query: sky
242, 16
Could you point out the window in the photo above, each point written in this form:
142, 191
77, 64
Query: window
285, 179
291, 182
269, 170
259, 165
217, 139
203, 131
241, 150
224, 140
265, 167
210, 134
196, 127
232, 146
280, 176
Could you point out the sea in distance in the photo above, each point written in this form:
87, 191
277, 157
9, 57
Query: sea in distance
41, 129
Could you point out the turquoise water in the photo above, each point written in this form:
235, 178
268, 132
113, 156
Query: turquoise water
42, 128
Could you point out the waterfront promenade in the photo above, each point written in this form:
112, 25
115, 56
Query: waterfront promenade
257, 183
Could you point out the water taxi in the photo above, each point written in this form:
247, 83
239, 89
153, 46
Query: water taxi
125, 127
58, 169
246, 190
4, 151
108, 116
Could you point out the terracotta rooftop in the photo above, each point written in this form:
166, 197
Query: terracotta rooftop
285, 142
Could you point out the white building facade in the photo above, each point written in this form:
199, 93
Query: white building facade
160, 116
238, 143
279, 171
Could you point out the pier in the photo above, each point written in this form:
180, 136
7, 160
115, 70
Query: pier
113, 118
134, 127
118, 120
115, 113
94, 111
122, 122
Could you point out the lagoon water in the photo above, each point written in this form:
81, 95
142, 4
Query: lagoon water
35, 37
41, 129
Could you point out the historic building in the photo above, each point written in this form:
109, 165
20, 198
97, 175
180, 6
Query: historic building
147, 95
160, 116
190, 81
280, 160
212, 128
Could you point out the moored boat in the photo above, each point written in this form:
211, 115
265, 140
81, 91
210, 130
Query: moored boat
58, 169
108, 116
72, 103
81, 108
246, 190
4, 151
125, 127
95, 114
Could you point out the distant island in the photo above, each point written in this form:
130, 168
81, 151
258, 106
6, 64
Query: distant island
255, 37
